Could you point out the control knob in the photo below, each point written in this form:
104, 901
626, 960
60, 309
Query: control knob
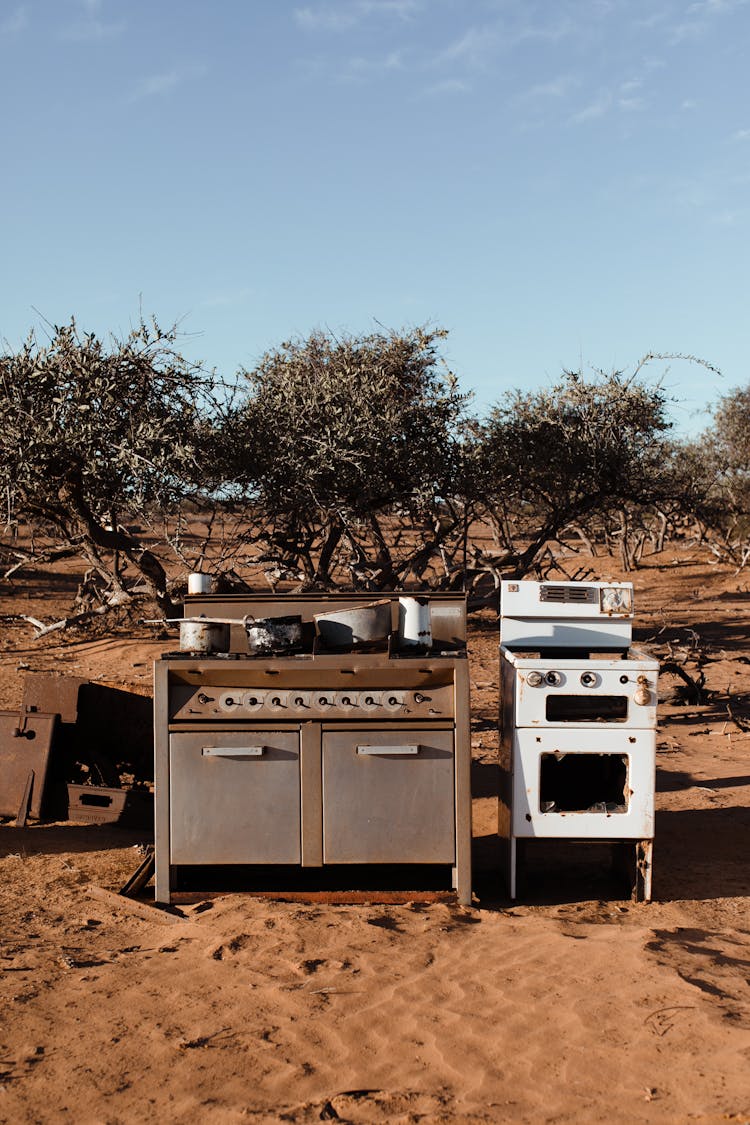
642, 694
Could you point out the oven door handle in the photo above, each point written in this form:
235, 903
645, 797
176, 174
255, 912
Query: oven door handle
399, 750
233, 751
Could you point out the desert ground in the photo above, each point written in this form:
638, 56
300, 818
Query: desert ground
571, 1005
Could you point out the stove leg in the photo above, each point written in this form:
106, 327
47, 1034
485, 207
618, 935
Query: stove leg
461, 883
164, 881
644, 854
512, 862
632, 863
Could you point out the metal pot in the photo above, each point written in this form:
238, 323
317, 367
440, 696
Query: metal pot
203, 636
347, 628
268, 636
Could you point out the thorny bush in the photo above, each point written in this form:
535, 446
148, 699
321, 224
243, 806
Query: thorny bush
92, 434
338, 435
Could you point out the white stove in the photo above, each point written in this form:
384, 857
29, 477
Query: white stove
578, 744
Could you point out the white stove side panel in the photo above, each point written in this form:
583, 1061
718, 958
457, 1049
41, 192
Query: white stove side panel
637, 823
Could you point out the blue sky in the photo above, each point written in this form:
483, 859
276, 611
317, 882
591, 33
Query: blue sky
557, 182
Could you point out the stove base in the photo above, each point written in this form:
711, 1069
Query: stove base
632, 861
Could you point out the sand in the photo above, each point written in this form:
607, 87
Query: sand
572, 1005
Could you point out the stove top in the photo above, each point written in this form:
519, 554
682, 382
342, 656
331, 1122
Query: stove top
329, 655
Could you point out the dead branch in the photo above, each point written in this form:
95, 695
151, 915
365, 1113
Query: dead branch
696, 686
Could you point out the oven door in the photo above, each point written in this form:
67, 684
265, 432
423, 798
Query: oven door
584, 784
234, 797
388, 796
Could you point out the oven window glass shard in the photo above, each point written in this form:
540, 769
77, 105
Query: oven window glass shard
613, 599
578, 782
586, 708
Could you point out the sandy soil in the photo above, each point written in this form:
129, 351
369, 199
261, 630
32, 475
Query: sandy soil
572, 1006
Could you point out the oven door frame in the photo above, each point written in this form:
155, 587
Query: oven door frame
636, 823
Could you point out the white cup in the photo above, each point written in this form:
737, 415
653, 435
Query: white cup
414, 625
200, 583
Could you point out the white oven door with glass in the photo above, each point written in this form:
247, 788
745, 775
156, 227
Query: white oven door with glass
584, 784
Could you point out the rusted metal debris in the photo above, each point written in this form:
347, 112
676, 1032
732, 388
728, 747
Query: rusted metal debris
140, 877
25, 746
99, 733
100, 804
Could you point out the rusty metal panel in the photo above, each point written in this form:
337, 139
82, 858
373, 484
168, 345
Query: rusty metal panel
26, 741
99, 804
116, 725
105, 725
52, 693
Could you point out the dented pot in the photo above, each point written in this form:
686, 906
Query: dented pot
204, 636
347, 628
268, 636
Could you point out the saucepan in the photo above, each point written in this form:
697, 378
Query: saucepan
361, 625
268, 636
265, 636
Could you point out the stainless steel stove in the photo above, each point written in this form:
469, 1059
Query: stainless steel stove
315, 758
578, 742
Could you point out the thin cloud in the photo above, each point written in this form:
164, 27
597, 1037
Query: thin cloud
16, 22
726, 218
447, 87
629, 98
360, 68
594, 110
473, 48
158, 85
699, 16
556, 88
480, 44
624, 97
92, 31
342, 17
741, 135
715, 7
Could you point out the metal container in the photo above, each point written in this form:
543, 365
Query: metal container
347, 628
203, 636
199, 583
268, 636
414, 623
